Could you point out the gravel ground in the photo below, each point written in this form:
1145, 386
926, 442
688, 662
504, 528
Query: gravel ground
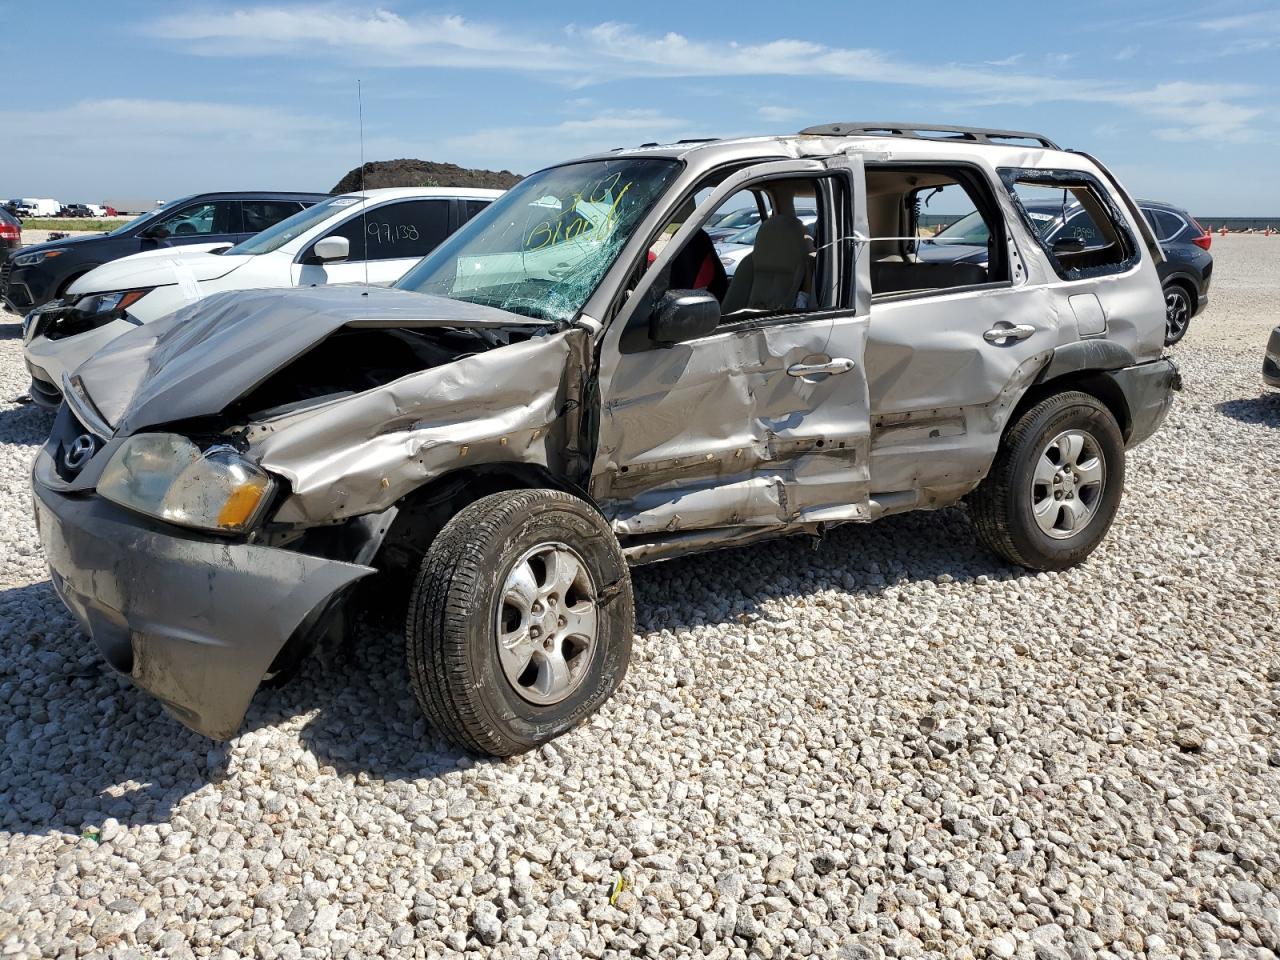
894, 745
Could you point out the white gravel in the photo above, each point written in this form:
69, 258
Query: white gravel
893, 746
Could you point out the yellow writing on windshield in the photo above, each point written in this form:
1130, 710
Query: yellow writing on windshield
587, 214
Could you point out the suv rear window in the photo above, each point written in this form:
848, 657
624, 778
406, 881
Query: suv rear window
1074, 220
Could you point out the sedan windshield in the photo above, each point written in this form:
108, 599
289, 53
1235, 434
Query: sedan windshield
290, 228
541, 248
968, 230
129, 225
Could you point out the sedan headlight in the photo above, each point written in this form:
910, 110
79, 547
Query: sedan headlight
31, 259
167, 477
70, 316
95, 304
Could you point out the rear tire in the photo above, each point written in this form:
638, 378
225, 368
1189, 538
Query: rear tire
520, 623
1179, 305
1055, 485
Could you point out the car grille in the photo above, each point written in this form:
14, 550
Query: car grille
6, 268
70, 444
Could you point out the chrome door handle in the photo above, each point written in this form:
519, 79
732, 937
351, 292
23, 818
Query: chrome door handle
837, 365
1009, 332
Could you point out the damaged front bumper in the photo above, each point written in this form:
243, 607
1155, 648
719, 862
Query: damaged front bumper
195, 622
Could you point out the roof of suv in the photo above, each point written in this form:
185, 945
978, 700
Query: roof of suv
831, 139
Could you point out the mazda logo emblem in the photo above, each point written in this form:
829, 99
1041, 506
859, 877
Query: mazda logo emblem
78, 454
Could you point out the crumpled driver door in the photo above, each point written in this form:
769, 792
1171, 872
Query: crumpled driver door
760, 424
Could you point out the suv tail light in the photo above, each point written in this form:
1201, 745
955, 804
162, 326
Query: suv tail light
9, 232
1205, 240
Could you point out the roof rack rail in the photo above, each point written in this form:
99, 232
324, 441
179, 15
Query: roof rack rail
925, 131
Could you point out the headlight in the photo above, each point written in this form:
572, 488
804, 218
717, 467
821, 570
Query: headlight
31, 259
118, 301
166, 476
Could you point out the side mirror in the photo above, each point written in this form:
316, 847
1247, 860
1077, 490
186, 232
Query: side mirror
155, 233
331, 248
684, 315
1068, 245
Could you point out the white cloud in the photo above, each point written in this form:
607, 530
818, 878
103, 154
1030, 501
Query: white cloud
529, 147
581, 56
154, 147
775, 114
1126, 53
1008, 61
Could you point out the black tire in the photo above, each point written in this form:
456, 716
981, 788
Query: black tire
450, 632
1001, 506
1179, 306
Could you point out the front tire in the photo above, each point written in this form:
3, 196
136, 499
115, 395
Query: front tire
520, 623
1055, 485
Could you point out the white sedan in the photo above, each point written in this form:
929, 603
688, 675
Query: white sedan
375, 235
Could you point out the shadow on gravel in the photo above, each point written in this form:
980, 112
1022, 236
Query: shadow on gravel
25, 425
82, 744
857, 558
1263, 410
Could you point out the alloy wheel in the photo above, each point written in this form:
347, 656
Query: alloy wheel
546, 623
1067, 485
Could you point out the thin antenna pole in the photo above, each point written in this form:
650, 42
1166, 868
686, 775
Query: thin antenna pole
364, 202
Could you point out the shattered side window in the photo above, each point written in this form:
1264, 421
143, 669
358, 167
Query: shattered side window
541, 249
1087, 235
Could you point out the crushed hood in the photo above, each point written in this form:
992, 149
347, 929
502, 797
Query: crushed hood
201, 358
153, 269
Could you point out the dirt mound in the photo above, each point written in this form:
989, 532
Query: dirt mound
423, 173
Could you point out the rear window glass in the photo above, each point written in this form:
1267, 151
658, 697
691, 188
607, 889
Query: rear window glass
1075, 221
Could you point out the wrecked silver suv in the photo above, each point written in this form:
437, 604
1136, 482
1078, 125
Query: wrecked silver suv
571, 384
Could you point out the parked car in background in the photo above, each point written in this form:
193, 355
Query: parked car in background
45, 270
10, 235
76, 210
735, 248
1184, 274
28, 207
537, 405
735, 221
323, 244
1188, 265
1271, 361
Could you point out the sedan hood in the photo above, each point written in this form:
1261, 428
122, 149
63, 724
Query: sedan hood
156, 268
201, 358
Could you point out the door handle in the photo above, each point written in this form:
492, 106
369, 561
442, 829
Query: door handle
836, 365
1008, 331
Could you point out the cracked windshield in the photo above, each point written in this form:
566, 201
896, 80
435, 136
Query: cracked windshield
541, 249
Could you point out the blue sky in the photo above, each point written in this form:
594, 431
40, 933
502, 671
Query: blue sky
161, 99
